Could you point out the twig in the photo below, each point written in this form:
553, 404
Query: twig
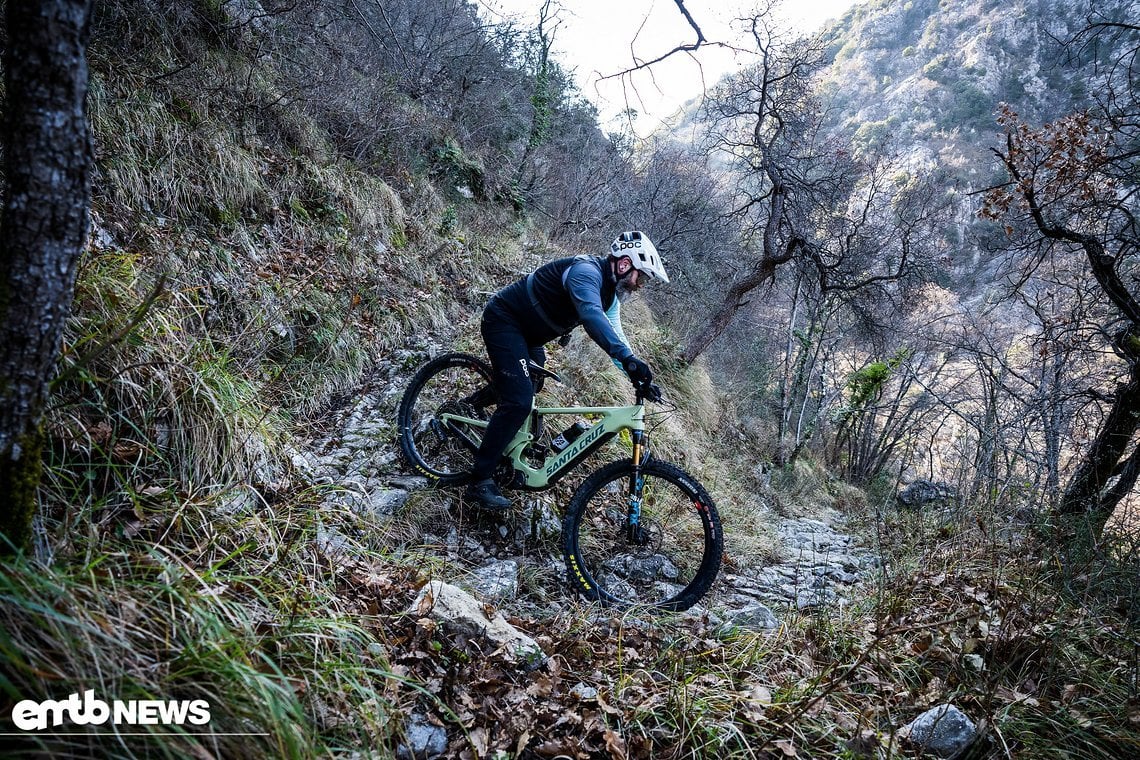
862, 658
679, 49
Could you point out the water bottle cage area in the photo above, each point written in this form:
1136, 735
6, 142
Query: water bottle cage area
568, 436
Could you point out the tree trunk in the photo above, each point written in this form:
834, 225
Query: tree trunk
1052, 415
1083, 494
724, 313
773, 254
47, 155
1127, 474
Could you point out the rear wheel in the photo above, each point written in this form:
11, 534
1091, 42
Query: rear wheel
450, 384
674, 555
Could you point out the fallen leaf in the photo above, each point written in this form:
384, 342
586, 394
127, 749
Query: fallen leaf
542, 687
556, 747
615, 744
605, 707
479, 741
786, 746
520, 745
1014, 696
426, 603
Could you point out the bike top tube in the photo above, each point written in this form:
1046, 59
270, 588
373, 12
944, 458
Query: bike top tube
602, 410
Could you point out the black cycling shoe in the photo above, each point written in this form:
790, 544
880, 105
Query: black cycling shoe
486, 494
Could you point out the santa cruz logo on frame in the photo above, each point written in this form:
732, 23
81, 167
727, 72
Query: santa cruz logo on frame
30, 715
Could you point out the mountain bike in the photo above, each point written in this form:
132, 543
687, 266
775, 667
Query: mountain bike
637, 531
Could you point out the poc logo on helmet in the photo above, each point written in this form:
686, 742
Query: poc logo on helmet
641, 252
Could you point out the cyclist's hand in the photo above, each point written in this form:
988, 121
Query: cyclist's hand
650, 392
638, 371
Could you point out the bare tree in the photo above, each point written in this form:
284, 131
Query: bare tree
47, 160
758, 119
1070, 180
641, 64
861, 219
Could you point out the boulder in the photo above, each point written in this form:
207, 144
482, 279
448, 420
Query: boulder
457, 610
544, 522
923, 492
332, 543
423, 740
498, 579
754, 617
408, 482
387, 502
944, 731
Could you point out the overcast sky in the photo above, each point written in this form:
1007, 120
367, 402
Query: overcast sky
600, 37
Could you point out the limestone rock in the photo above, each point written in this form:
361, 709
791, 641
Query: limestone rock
922, 492
423, 740
459, 611
497, 579
387, 502
755, 616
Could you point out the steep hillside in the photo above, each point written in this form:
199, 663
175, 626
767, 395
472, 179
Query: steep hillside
927, 68
255, 271
296, 205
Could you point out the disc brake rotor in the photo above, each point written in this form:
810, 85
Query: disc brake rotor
648, 540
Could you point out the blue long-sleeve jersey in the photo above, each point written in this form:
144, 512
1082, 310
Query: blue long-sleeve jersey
565, 293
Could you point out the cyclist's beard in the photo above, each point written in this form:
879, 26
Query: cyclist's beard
624, 291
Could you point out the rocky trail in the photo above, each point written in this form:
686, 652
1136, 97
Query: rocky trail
516, 562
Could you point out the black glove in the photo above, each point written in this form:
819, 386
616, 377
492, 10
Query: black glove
650, 392
638, 371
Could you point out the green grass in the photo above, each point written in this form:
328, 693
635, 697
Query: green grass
188, 601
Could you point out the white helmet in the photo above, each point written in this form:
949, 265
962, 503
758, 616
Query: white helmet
641, 251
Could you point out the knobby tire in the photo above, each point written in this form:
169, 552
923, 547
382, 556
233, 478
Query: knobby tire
682, 553
458, 383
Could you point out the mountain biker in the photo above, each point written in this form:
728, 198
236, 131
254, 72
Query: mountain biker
544, 305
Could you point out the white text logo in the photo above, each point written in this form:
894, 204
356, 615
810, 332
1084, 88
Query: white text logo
29, 715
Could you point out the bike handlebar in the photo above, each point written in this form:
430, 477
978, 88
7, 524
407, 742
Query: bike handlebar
648, 392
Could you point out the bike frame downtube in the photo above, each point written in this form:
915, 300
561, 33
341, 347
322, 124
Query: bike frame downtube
613, 420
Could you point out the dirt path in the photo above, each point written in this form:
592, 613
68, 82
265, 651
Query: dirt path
353, 450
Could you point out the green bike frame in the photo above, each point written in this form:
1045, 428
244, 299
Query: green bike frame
613, 420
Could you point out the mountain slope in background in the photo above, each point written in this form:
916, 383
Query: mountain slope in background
926, 77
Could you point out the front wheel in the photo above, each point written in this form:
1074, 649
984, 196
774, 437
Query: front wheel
669, 560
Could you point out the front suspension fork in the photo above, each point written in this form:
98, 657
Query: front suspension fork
634, 532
